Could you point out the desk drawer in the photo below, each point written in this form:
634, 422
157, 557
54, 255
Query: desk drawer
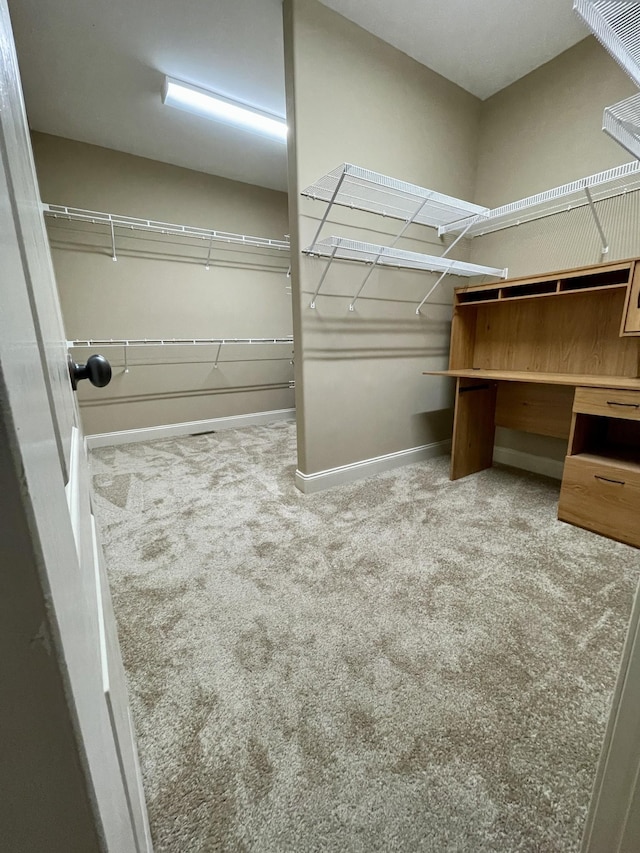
602, 496
610, 402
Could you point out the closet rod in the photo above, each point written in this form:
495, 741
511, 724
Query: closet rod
75, 214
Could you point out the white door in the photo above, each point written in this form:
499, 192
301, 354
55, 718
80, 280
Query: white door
55, 570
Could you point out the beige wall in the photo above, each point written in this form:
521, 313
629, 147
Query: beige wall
544, 131
541, 132
159, 287
353, 98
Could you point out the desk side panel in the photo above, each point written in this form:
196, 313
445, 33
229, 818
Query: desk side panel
473, 427
463, 338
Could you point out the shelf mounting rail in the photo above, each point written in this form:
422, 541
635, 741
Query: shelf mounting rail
114, 221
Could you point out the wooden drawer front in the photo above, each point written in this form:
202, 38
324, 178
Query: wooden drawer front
608, 402
601, 497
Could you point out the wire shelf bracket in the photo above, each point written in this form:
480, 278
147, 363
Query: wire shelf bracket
616, 25
115, 221
585, 191
341, 248
375, 264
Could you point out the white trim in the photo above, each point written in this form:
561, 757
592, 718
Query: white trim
129, 436
614, 811
309, 483
529, 462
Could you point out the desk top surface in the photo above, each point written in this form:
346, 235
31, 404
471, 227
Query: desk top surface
586, 380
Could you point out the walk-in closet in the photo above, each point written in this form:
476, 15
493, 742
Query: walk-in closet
330, 543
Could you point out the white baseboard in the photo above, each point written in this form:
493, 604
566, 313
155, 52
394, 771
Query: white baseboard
309, 483
129, 436
529, 462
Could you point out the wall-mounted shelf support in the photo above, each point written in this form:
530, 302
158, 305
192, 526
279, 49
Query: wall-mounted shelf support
208, 261
332, 200
312, 304
397, 239
596, 219
431, 291
113, 243
446, 272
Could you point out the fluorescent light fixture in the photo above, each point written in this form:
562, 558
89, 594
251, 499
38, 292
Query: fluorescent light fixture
211, 105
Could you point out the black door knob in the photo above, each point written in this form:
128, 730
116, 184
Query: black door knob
97, 370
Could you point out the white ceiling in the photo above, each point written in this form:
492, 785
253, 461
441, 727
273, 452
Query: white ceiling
482, 45
93, 70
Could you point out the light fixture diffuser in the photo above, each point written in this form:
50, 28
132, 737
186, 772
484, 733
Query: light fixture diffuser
211, 105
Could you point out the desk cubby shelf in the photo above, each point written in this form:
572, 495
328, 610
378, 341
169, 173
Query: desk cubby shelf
617, 278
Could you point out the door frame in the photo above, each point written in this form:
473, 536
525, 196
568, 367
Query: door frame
613, 821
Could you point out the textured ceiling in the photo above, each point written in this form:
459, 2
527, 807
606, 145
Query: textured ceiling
93, 70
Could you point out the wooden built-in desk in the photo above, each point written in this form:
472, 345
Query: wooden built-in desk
519, 351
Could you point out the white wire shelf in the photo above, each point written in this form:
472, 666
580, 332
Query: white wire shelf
113, 220
585, 191
361, 189
616, 24
139, 342
622, 122
126, 343
340, 248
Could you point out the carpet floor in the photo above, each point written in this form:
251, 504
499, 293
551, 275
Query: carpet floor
400, 664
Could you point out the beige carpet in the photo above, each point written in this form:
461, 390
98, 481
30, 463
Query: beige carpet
402, 664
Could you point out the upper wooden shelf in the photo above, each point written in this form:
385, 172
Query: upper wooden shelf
586, 380
583, 280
